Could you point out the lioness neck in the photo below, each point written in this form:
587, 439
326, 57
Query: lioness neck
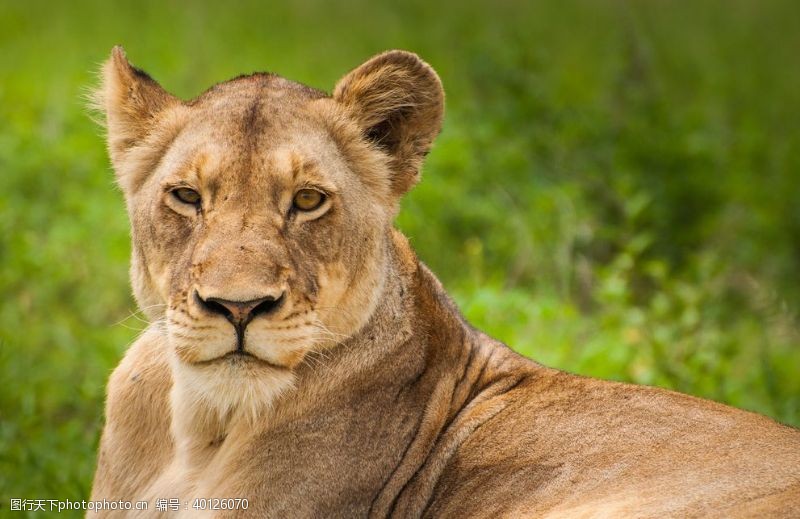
414, 329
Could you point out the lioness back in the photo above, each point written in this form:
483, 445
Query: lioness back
302, 362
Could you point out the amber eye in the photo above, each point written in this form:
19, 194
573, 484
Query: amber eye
308, 199
186, 195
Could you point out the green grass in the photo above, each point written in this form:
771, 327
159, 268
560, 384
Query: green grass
614, 192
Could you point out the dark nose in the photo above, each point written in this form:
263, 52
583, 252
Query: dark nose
240, 313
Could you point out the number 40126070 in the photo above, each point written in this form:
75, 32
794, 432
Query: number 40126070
220, 504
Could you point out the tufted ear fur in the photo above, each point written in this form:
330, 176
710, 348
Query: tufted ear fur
398, 102
131, 102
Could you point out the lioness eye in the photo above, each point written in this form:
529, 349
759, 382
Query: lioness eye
186, 195
308, 199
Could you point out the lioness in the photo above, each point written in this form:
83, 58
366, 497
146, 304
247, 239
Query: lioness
301, 359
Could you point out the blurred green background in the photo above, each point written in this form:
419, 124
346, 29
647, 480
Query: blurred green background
616, 191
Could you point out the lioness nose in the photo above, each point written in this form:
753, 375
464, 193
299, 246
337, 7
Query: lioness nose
239, 313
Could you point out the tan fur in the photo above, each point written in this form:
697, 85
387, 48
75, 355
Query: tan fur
365, 393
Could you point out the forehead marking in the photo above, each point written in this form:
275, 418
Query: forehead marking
254, 125
199, 165
303, 169
297, 165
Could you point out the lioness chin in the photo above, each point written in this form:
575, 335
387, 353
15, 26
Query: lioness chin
302, 360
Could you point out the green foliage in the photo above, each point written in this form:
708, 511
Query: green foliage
614, 191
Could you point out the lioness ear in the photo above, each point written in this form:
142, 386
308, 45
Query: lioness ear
398, 102
131, 101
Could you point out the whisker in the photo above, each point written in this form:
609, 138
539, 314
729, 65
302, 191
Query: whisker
137, 312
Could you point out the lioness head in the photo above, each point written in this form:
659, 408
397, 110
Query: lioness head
261, 210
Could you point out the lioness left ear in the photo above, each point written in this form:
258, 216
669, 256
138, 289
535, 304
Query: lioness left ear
398, 102
131, 101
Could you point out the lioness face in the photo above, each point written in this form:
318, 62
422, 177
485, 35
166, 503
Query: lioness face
266, 236
260, 210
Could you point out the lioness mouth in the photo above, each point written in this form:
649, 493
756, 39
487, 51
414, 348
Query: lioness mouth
239, 356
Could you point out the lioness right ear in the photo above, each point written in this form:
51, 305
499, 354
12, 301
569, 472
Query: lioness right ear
398, 102
131, 101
